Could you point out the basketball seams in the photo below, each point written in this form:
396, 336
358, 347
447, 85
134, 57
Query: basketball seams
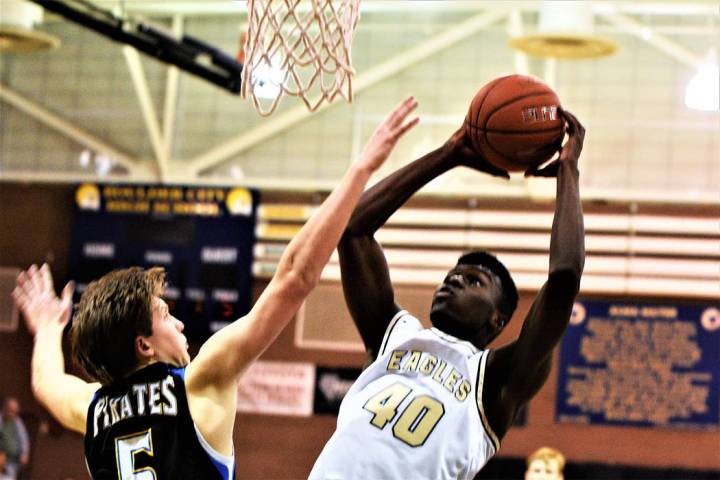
486, 142
491, 87
514, 100
505, 158
513, 138
495, 150
517, 132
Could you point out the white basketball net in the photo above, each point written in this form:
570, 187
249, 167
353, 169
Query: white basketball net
300, 48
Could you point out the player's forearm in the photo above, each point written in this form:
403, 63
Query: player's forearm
65, 396
308, 253
297, 274
567, 243
48, 363
388, 195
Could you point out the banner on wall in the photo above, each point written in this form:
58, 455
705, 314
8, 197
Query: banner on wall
641, 364
202, 236
277, 388
331, 385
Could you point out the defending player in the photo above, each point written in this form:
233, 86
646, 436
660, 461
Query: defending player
157, 414
435, 403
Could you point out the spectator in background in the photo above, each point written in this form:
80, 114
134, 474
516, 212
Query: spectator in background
14, 437
545, 464
3, 463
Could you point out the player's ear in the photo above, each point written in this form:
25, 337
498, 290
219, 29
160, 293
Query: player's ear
143, 349
499, 320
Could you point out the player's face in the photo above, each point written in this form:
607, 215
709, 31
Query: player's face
543, 470
167, 340
465, 304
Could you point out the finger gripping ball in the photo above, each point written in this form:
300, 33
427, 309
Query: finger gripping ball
514, 123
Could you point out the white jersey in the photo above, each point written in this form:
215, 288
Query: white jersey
414, 413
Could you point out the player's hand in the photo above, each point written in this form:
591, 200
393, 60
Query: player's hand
34, 295
460, 151
386, 135
569, 153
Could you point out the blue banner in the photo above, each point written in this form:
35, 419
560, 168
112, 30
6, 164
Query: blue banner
202, 236
641, 364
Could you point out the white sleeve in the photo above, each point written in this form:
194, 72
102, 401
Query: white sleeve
401, 327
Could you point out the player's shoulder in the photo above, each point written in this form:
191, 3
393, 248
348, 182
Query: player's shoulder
402, 326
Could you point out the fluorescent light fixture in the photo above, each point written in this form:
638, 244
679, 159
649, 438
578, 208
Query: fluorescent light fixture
703, 91
236, 172
103, 164
84, 158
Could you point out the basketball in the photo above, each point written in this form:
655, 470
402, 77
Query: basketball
514, 123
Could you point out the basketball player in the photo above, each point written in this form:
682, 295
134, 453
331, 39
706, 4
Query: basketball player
435, 403
153, 412
545, 463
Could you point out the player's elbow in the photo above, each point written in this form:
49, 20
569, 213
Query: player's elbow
299, 282
569, 269
38, 385
566, 279
358, 225
351, 233
40, 392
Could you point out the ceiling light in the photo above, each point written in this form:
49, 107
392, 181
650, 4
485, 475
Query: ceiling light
17, 18
565, 30
703, 91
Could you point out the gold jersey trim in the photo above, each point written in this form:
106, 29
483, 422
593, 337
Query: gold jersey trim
479, 385
389, 330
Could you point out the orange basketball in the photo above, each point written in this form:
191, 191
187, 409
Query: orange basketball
514, 123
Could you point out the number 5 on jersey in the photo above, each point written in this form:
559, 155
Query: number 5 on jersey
416, 421
126, 448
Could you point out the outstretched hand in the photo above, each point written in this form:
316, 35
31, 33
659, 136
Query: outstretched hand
569, 153
34, 295
387, 134
464, 154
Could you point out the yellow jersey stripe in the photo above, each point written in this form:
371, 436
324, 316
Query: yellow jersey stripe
389, 330
479, 385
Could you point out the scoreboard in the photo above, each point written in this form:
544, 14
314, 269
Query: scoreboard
202, 236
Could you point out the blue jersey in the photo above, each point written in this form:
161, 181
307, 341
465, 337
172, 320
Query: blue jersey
141, 427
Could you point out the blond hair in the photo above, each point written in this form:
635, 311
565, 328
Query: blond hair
545, 454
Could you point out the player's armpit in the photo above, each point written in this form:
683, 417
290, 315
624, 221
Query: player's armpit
367, 288
211, 378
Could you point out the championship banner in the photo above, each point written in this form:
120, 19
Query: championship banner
202, 236
641, 365
277, 388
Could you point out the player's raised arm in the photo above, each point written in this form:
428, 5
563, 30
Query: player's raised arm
361, 258
226, 354
525, 364
65, 396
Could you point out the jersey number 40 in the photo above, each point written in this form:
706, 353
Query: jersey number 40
416, 421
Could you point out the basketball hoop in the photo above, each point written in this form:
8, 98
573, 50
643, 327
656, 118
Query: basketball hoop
300, 48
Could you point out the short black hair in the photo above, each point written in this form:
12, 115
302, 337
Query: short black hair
509, 300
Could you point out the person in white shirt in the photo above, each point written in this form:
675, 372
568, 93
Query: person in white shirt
435, 403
